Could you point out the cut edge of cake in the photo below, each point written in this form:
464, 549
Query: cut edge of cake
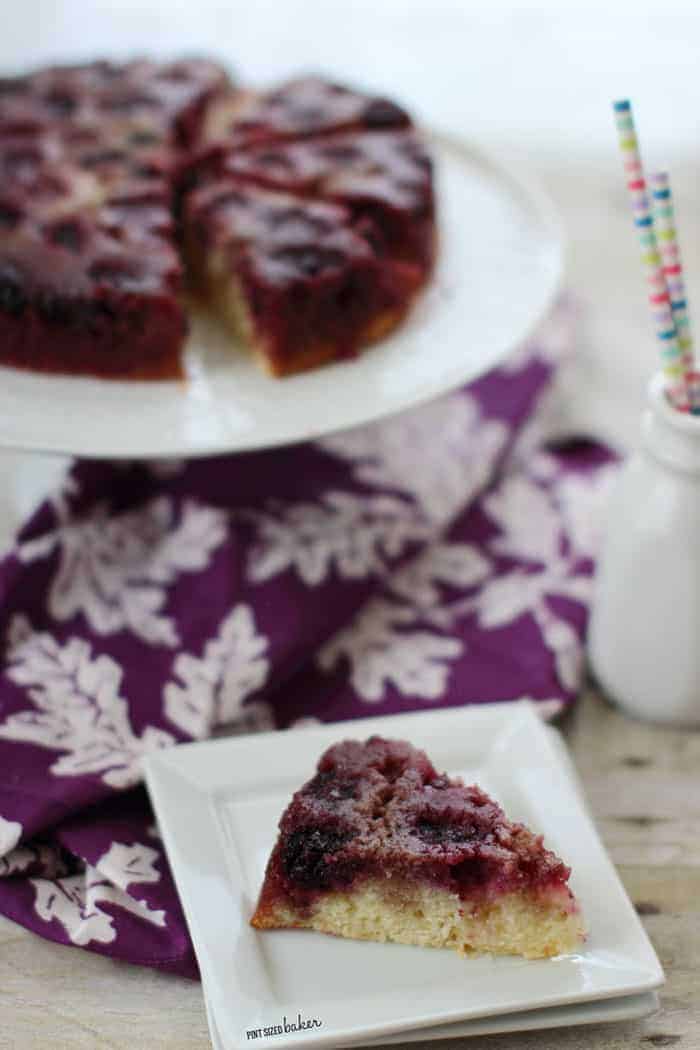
407, 912
228, 299
299, 324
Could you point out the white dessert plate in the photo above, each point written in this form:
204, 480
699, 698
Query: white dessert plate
218, 804
500, 265
604, 1011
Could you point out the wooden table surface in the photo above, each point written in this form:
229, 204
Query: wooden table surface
537, 83
642, 785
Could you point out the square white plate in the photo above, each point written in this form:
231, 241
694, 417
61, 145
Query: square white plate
600, 1011
218, 804
603, 1011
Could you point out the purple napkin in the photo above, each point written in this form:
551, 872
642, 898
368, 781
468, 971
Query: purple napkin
442, 557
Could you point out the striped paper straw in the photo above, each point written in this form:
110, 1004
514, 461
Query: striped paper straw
693, 383
667, 240
659, 300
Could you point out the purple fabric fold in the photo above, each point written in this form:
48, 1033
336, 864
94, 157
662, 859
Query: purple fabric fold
439, 558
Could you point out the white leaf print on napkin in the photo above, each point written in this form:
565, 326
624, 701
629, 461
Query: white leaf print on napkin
211, 689
441, 454
530, 526
75, 899
76, 707
531, 531
387, 643
352, 533
385, 647
116, 570
584, 500
10, 834
458, 565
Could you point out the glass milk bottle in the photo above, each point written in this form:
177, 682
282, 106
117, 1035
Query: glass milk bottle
644, 638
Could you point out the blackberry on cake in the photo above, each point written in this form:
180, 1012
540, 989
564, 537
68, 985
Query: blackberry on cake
380, 846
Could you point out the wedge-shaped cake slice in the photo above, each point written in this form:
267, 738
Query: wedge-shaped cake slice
359, 242
379, 846
90, 273
386, 176
298, 280
306, 106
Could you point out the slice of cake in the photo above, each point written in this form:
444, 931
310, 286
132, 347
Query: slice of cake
383, 175
90, 276
308, 292
89, 272
298, 280
306, 106
379, 846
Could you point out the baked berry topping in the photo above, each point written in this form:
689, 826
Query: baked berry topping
379, 175
305, 116
9, 216
297, 222
228, 198
274, 159
13, 85
99, 158
306, 260
128, 103
381, 113
332, 788
22, 164
13, 299
147, 170
307, 106
450, 827
102, 162
143, 138
88, 162
309, 857
60, 309
60, 103
176, 74
436, 833
379, 807
66, 234
116, 273
344, 152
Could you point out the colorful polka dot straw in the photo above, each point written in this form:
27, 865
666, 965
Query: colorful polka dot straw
659, 299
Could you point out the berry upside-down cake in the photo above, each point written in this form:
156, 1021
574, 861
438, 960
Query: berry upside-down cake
379, 846
305, 216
